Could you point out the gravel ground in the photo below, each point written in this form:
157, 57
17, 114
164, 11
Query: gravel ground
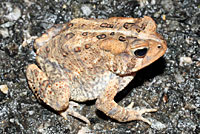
172, 84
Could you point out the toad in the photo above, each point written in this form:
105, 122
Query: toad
89, 59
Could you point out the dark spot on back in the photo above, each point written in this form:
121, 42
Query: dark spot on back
77, 49
112, 33
70, 25
87, 46
69, 36
64, 54
101, 36
106, 25
83, 25
85, 33
126, 25
103, 25
110, 26
121, 38
129, 25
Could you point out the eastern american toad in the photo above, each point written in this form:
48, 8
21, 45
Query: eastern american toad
89, 59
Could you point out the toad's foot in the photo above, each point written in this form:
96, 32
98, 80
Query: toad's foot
106, 103
137, 114
72, 112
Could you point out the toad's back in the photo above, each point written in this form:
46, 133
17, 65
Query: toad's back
83, 52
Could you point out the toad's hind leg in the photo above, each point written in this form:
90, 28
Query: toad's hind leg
54, 93
106, 103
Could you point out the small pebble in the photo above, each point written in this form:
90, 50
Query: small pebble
4, 32
4, 89
164, 17
179, 78
190, 106
64, 6
86, 10
157, 125
14, 15
84, 130
186, 60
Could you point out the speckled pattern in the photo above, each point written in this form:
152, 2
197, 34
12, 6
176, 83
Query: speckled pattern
94, 59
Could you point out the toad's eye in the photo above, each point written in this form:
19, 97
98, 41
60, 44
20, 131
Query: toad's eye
140, 53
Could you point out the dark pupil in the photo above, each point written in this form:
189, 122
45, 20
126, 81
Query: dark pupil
141, 52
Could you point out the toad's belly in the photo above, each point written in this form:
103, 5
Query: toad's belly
90, 90
83, 89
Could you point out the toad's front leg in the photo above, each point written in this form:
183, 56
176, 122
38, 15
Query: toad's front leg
106, 103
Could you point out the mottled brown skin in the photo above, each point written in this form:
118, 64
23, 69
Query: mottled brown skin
89, 59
